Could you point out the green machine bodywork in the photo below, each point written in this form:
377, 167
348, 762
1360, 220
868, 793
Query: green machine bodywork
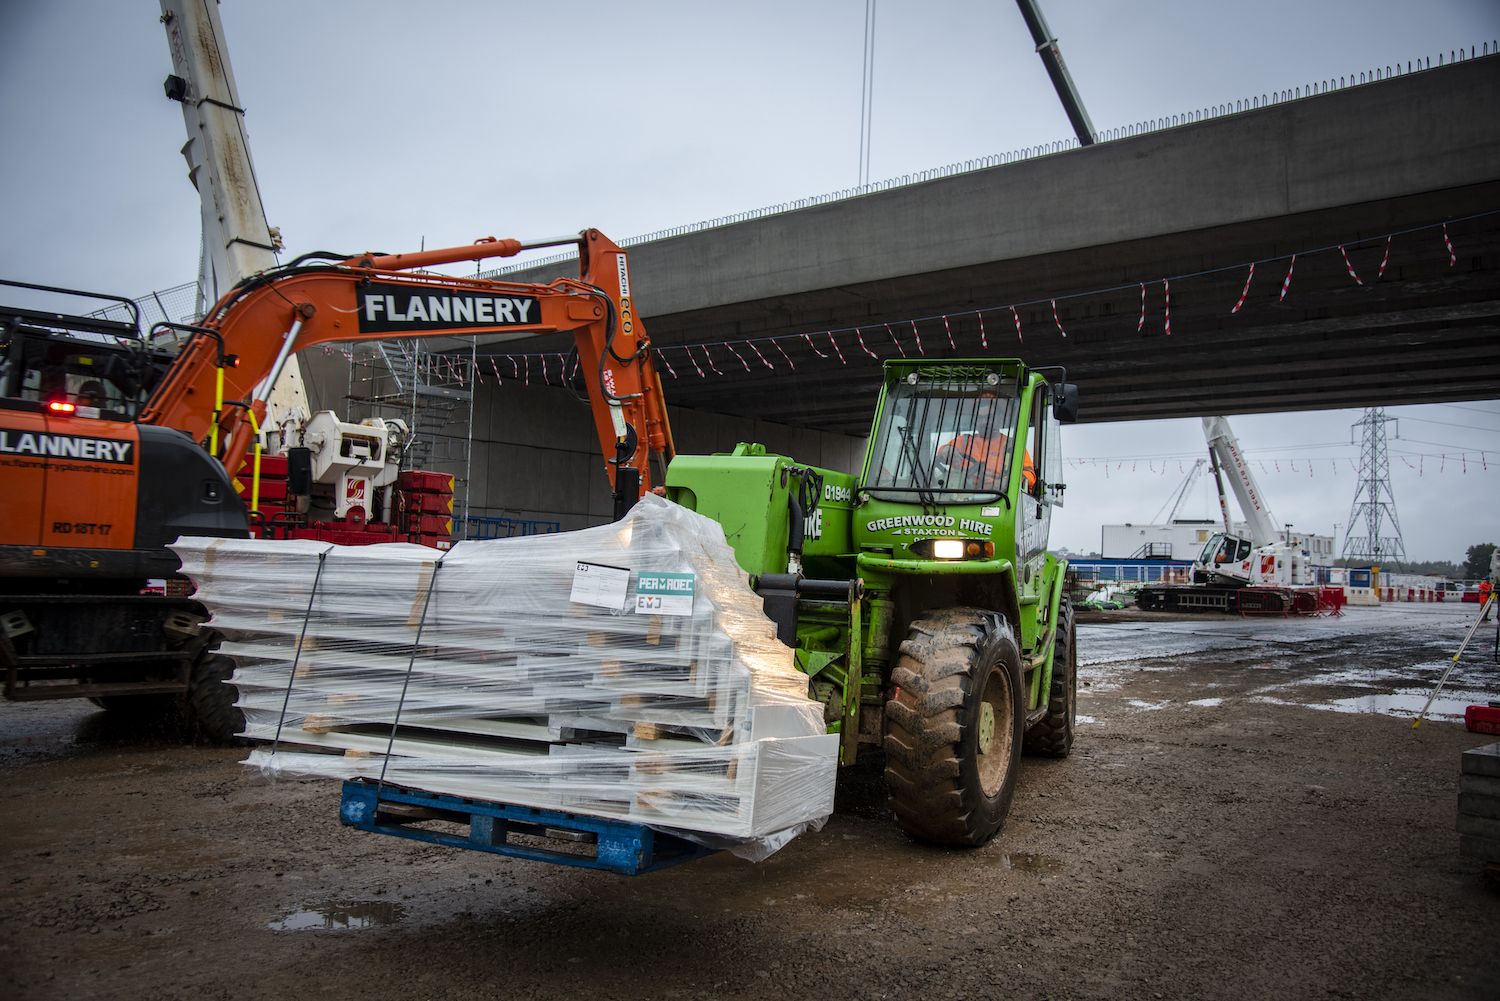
962, 459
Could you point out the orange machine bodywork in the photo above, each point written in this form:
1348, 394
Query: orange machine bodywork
69, 482
364, 298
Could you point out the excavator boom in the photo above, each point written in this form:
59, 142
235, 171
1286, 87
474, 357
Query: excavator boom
254, 328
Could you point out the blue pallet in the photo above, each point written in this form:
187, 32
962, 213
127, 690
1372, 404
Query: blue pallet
620, 847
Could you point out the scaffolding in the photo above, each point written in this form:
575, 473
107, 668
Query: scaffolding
433, 392
1374, 502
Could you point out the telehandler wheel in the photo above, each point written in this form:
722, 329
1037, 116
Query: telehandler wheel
209, 702
954, 729
1053, 734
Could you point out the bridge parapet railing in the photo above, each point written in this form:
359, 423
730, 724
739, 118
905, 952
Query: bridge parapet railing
1296, 92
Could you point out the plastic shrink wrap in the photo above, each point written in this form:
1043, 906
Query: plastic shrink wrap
539, 671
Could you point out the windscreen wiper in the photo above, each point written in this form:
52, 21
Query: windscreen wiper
925, 494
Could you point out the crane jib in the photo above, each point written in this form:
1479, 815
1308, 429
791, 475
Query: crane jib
386, 308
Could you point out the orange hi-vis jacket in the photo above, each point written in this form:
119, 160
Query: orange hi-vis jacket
968, 450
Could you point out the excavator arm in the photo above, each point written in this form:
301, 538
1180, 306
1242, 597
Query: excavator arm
253, 330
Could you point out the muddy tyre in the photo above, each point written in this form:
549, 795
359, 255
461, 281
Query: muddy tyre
1052, 736
954, 729
209, 703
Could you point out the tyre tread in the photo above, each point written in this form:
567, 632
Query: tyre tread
1052, 736
925, 725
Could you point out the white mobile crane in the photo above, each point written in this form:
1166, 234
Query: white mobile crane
1251, 571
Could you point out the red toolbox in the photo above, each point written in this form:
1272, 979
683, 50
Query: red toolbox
273, 466
1483, 719
429, 503
432, 524
427, 481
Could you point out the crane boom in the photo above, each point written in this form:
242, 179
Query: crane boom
1180, 494
237, 241
1226, 447
1062, 80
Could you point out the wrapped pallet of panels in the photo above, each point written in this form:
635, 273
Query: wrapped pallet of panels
625, 671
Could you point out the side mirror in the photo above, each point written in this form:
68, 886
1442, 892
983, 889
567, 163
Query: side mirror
1065, 402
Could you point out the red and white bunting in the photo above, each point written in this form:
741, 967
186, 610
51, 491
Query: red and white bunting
894, 338
1349, 266
836, 349
461, 370
784, 354
1251, 275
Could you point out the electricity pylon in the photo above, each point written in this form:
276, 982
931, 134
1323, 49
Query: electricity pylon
1374, 503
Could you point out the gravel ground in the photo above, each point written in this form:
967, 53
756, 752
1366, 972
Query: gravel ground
1247, 813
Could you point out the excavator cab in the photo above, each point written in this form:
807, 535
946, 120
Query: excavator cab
85, 366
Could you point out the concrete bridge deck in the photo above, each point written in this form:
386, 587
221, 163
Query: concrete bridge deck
1345, 167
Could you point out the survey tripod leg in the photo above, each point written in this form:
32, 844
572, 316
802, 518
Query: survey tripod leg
1483, 614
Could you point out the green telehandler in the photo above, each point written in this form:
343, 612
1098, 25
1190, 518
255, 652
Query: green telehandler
919, 596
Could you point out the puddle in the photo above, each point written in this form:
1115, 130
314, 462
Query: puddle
1040, 865
1407, 703
1210, 703
1403, 703
334, 916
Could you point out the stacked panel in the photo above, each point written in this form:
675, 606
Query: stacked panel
476, 673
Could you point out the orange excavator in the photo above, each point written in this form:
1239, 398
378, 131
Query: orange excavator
111, 450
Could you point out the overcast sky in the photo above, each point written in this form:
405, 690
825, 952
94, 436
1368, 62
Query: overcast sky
376, 125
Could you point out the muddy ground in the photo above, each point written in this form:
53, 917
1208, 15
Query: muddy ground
1247, 813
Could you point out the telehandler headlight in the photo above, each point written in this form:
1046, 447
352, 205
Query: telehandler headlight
947, 549
953, 549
